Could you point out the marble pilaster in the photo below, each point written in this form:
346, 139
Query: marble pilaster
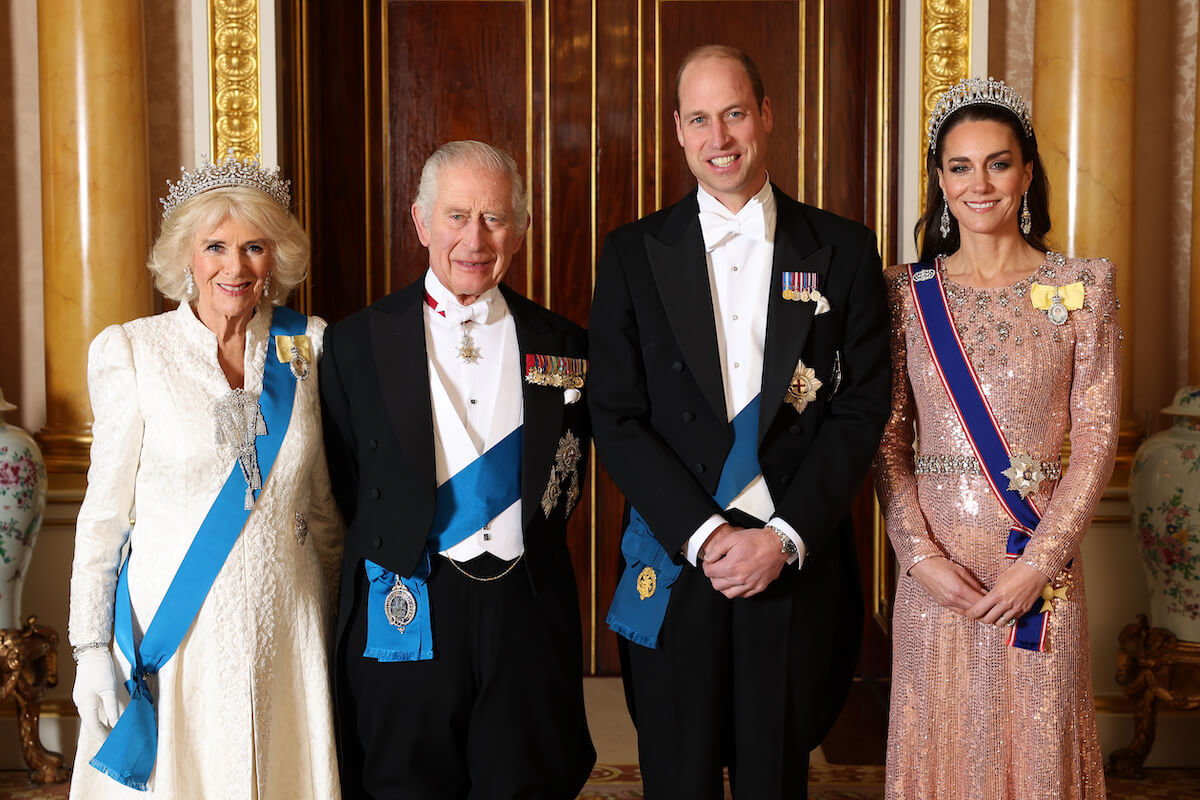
95, 202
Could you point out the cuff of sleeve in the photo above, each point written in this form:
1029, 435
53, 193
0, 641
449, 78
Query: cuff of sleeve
790, 532
697, 539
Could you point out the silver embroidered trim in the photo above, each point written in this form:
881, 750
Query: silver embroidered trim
969, 465
237, 421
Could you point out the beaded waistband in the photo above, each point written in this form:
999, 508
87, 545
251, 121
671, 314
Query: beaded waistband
969, 465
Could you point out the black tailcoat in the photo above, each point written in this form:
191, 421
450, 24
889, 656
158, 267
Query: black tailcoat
662, 431
379, 437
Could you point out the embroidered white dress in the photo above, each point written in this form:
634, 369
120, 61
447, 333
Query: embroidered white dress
244, 708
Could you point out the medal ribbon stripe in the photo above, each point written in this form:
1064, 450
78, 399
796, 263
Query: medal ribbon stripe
974, 412
129, 752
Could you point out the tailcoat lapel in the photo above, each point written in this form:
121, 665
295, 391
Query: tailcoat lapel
543, 405
398, 344
788, 322
680, 271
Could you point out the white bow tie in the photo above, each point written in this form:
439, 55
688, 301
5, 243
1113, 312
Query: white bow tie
718, 229
459, 314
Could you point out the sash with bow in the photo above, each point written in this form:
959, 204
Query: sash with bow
983, 432
639, 605
128, 753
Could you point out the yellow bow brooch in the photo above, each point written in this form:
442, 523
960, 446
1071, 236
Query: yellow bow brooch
1056, 301
296, 352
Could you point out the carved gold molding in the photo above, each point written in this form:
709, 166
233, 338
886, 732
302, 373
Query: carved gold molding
945, 59
234, 66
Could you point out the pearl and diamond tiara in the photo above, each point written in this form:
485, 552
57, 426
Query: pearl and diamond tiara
978, 91
229, 173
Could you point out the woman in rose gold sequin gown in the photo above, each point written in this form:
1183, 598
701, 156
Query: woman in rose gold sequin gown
971, 716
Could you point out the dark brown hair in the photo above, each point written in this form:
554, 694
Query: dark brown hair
927, 233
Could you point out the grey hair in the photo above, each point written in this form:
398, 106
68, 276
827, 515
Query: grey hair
172, 251
474, 153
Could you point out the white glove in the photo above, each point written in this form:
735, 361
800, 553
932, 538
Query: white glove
95, 692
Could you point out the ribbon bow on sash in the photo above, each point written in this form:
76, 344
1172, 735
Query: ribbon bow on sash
128, 753
639, 605
285, 344
1071, 295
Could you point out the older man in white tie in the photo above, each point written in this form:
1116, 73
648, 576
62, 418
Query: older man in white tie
739, 385
457, 442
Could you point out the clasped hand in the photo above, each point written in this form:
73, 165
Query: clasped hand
953, 587
741, 562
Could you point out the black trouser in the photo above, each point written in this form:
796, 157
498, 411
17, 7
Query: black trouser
496, 715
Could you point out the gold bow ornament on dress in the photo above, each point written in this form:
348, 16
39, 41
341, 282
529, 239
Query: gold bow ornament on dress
1056, 301
296, 352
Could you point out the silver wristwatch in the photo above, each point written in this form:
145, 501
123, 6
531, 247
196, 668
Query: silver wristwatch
786, 546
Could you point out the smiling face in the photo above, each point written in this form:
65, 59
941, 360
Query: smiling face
983, 177
471, 233
722, 129
230, 264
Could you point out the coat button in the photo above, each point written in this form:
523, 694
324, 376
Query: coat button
699, 467
374, 494
677, 366
796, 430
688, 416
372, 444
377, 542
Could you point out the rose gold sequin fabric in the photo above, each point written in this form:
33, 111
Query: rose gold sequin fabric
971, 717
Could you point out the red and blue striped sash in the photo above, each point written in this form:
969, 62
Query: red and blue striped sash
981, 428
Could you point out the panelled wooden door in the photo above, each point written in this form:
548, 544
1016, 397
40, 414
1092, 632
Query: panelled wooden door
581, 93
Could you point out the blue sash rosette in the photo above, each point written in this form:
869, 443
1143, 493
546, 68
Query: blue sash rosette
640, 603
470, 499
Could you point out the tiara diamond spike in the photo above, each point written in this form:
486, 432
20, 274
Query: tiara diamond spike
978, 91
229, 173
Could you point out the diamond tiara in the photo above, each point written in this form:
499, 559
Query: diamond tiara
230, 172
978, 91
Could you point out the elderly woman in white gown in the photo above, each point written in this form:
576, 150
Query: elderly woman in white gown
208, 541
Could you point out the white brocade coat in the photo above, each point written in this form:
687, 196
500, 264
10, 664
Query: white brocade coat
243, 706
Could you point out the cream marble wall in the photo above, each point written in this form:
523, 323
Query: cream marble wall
1164, 92
169, 91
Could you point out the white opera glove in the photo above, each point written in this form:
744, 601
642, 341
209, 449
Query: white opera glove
95, 692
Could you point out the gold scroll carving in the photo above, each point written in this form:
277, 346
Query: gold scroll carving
945, 59
234, 77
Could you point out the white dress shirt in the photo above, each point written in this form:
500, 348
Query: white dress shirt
739, 249
475, 405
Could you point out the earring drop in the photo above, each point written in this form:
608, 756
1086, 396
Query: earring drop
1026, 217
945, 226
189, 283
267, 285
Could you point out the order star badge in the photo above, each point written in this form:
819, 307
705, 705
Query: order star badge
1024, 476
803, 388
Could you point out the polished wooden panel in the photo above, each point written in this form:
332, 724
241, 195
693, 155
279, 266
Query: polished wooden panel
770, 32
581, 93
455, 71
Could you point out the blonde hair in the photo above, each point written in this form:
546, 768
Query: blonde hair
172, 251
480, 154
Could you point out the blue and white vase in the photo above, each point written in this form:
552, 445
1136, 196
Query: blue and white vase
22, 503
1165, 492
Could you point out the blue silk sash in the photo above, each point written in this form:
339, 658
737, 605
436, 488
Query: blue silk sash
470, 499
128, 753
981, 429
639, 605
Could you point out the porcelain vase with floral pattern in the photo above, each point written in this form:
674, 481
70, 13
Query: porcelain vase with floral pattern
22, 502
1165, 492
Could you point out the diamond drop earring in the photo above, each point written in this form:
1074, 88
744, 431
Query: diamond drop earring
267, 286
945, 226
1026, 217
189, 283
